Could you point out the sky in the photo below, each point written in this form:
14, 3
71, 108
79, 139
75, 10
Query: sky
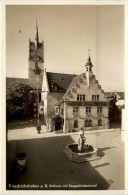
68, 31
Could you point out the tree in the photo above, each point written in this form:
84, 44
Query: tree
19, 101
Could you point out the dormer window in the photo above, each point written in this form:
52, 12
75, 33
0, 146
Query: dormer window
57, 110
54, 86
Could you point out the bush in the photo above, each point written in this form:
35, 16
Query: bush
19, 101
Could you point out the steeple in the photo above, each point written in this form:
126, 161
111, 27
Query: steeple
88, 68
89, 65
36, 35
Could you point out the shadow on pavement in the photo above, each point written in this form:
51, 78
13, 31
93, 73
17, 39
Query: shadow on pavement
47, 164
22, 124
101, 150
102, 165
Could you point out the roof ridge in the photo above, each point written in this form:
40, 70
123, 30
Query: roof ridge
62, 73
16, 78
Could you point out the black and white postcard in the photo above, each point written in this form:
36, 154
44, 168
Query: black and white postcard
63, 99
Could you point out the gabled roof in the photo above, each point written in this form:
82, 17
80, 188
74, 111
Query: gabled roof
73, 82
61, 81
10, 80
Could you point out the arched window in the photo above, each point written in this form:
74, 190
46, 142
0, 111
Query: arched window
87, 68
75, 124
99, 122
88, 123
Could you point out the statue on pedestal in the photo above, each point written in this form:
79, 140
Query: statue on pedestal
81, 140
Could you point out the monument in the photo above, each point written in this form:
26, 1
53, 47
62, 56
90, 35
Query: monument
81, 151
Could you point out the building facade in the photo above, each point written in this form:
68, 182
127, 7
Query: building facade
83, 104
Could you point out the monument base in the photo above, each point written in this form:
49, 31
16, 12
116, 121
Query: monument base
80, 156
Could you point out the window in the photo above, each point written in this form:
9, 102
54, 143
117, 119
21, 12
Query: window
62, 111
87, 68
55, 87
90, 68
57, 110
75, 110
80, 97
99, 110
88, 110
75, 124
95, 98
88, 123
99, 122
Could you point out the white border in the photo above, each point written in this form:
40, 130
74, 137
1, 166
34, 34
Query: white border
3, 3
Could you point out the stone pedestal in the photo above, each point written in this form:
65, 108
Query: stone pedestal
80, 157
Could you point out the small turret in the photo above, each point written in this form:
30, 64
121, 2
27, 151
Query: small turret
89, 65
88, 69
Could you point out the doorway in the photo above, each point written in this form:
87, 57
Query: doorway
58, 126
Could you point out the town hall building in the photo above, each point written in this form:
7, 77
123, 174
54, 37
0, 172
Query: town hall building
69, 101
82, 104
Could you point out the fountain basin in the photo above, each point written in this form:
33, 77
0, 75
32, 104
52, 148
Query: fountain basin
88, 154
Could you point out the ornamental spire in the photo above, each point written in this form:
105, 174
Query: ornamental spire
36, 35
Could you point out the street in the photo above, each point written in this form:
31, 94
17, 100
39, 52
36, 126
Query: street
49, 169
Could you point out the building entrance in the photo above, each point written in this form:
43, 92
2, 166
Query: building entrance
58, 126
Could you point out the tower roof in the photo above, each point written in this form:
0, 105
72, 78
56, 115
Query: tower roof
89, 63
36, 34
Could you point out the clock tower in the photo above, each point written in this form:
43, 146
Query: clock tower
36, 58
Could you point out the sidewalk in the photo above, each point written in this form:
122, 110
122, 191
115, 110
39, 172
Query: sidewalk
31, 133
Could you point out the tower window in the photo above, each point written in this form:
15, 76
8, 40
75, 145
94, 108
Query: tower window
88, 110
95, 98
90, 69
88, 123
99, 110
76, 124
80, 97
99, 122
87, 68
